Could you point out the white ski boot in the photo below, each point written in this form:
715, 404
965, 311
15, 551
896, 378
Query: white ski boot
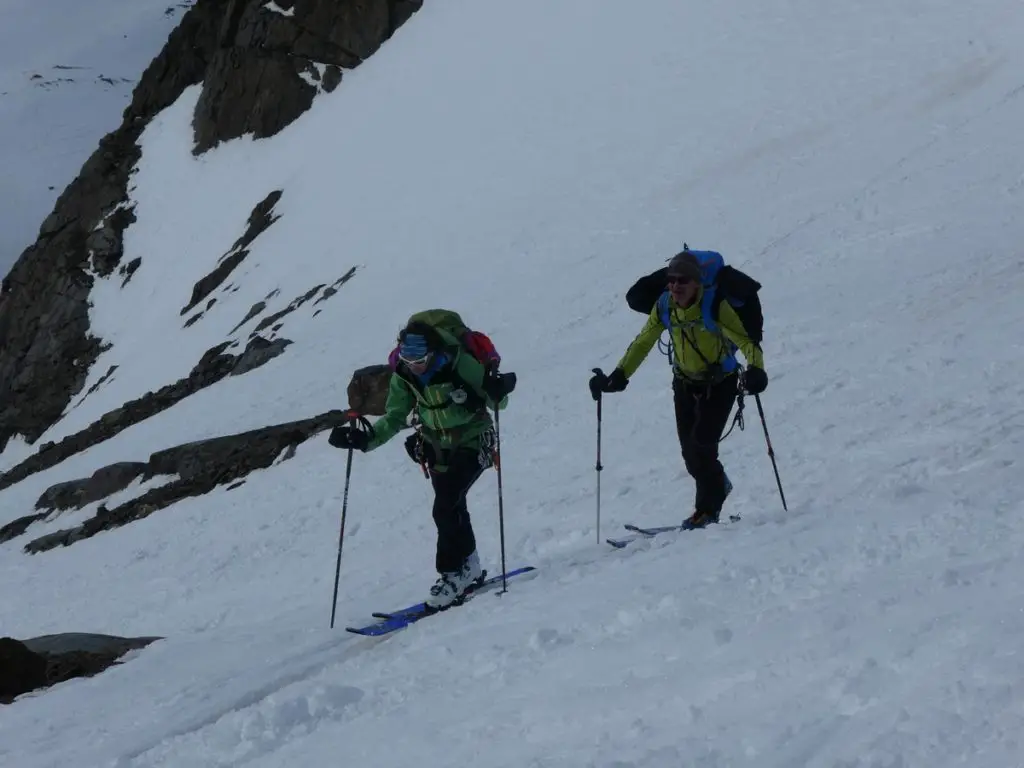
451, 587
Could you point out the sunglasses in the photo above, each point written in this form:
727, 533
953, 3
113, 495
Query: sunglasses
680, 280
415, 361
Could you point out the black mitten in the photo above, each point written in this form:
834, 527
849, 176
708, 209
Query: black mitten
499, 385
755, 380
349, 436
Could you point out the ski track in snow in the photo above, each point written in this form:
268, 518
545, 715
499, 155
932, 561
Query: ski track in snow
863, 163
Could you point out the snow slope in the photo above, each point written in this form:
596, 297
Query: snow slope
523, 163
66, 73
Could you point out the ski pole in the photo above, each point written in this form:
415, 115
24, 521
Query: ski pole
771, 451
341, 535
362, 423
597, 465
501, 502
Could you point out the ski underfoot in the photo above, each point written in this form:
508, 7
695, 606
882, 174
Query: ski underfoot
648, 533
392, 621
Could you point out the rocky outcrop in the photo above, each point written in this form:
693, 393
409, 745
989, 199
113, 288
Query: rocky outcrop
21, 670
16, 528
260, 69
45, 345
273, 320
127, 270
76, 494
270, 65
257, 352
368, 390
101, 381
106, 243
51, 659
259, 221
199, 467
215, 365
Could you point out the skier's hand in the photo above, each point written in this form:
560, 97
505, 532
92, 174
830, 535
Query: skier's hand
600, 382
499, 385
755, 380
349, 436
617, 381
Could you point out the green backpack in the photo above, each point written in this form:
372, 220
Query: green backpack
430, 321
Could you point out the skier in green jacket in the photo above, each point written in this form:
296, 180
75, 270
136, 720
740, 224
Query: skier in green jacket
449, 392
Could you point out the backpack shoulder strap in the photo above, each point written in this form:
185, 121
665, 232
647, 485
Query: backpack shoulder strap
709, 305
663, 310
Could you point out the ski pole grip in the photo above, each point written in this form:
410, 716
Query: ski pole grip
363, 423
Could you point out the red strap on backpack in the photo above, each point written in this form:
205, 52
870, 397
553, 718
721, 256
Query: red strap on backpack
482, 348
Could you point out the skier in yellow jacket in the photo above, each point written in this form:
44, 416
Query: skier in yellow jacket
704, 335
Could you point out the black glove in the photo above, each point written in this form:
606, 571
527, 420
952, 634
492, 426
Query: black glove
349, 436
599, 382
755, 380
498, 385
420, 450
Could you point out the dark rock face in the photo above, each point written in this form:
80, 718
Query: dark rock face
257, 352
259, 221
266, 86
254, 311
127, 270
260, 70
17, 527
368, 390
86, 642
51, 659
20, 669
45, 345
102, 380
103, 482
106, 244
270, 66
200, 467
273, 320
295, 304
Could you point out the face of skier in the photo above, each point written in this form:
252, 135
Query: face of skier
418, 367
683, 289
415, 353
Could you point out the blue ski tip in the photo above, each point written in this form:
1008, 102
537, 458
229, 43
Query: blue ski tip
396, 620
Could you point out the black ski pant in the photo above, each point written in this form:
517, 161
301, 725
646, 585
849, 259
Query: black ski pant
702, 411
455, 539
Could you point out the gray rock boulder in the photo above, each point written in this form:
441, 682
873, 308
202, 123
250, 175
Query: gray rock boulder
45, 661
368, 390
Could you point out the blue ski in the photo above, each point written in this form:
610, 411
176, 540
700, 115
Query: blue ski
395, 620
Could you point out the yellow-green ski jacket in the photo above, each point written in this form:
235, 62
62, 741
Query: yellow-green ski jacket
698, 354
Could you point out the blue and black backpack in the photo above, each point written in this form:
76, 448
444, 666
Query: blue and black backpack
721, 283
